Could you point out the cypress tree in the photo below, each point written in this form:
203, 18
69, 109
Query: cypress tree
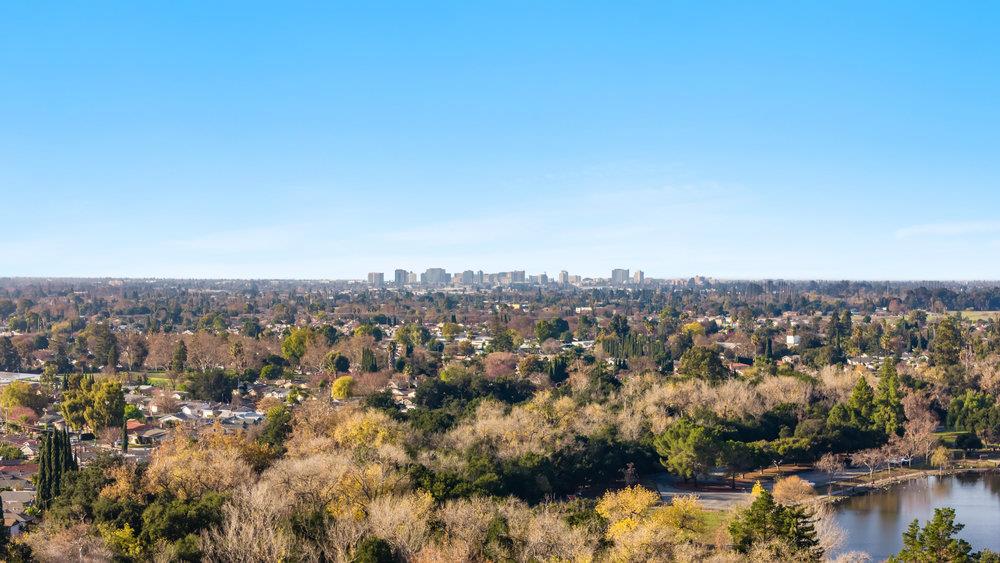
70, 458
57, 464
50, 468
125, 437
42, 482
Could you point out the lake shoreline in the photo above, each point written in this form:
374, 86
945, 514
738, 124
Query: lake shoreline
889, 482
875, 522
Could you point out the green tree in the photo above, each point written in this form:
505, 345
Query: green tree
368, 362
21, 394
276, 428
688, 449
766, 520
450, 330
293, 347
10, 360
212, 385
271, 371
888, 405
935, 542
373, 550
947, 343
55, 459
179, 360
336, 362
411, 335
738, 458
550, 328
10, 451
341, 388
971, 411
73, 408
105, 405
132, 412
103, 345
861, 404
702, 363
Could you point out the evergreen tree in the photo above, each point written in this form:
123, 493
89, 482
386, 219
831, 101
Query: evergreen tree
936, 541
946, 344
688, 449
179, 360
861, 404
10, 360
55, 458
767, 520
58, 461
368, 362
42, 488
888, 414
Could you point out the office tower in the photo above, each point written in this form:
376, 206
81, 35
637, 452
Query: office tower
400, 277
468, 277
435, 276
517, 276
376, 279
619, 276
639, 277
564, 277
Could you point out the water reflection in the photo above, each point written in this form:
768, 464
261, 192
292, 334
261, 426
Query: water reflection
875, 522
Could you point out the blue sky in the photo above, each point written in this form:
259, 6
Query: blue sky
325, 140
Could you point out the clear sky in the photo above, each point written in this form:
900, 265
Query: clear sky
326, 140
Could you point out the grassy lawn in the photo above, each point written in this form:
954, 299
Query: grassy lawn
716, 522
976, 315
947, 439
159, 382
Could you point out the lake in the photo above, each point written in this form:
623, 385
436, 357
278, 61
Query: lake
875, 522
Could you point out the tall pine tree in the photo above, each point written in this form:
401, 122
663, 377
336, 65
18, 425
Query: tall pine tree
888, 413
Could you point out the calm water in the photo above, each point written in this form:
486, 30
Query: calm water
875, 522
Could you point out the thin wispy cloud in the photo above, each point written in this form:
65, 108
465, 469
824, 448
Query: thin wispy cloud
949, 229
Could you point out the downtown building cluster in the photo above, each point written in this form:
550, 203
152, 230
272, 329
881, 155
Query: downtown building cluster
439, 277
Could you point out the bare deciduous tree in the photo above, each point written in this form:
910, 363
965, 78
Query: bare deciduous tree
871, 459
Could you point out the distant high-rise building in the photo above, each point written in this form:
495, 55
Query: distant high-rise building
543, 279
401, 277
517, 276
619, 276
435, 276
639, 277
468, 277
376, 279
411, 278
564, 277
479, 277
